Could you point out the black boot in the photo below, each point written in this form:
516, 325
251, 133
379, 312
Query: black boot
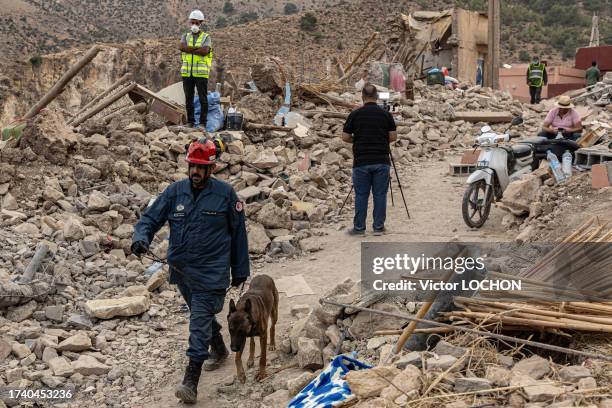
218, 353
187, 391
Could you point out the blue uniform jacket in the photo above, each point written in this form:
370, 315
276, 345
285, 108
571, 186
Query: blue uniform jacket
207, 237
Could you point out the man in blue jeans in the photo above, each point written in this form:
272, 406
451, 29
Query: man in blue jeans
370, 129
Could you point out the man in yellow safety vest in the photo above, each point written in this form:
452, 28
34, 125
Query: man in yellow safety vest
196, 56
536, 78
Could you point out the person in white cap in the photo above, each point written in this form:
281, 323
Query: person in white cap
563, 117
196, 56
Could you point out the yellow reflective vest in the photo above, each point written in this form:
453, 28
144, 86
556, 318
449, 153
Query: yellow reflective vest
194, 65
535, 74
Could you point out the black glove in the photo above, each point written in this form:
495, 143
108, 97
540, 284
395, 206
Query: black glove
139, 248
238, 281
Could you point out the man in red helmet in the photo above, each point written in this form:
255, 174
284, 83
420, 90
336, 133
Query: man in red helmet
207, 245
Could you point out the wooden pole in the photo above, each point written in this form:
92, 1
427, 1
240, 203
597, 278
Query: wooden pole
103, 104
32, 268
120, 81
139, 107
493, 44
58, 88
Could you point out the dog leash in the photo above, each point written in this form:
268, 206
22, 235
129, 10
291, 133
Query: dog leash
151, 256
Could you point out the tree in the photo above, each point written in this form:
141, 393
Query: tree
308, 22
248, 16
221, 22
36, 61
290, 8
228, 7
524, 56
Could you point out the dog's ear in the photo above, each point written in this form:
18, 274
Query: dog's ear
247, 306
232, 306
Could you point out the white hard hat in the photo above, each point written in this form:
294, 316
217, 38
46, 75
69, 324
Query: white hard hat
196, 15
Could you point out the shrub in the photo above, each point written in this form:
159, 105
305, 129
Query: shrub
36, 60
524, 56
228, 7
308, 22
318, 36
290, 8
248, 16
221, 22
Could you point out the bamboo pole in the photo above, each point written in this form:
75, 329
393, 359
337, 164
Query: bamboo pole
532, 322
473, 331
61, 83
359, 54
120, 81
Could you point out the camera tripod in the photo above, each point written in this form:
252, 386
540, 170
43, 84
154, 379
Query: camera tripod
399, 183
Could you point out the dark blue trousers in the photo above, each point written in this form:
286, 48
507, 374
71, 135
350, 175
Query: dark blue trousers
375, 178
203, 325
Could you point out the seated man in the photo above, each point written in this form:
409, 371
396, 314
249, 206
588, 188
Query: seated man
563, 116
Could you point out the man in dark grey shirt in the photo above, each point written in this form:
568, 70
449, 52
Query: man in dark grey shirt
370, 129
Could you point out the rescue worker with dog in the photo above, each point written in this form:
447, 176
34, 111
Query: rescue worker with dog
207, 244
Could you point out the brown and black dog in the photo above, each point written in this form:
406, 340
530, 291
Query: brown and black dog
249, 318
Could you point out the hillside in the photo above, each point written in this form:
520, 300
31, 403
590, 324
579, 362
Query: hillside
32, 27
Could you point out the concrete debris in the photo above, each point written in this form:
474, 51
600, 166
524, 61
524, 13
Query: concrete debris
109, 308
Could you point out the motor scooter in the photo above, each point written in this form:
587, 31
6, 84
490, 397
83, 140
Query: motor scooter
498, 165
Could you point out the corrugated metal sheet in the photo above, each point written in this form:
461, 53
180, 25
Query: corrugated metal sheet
601, 54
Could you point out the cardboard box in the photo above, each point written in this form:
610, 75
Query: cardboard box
470, 156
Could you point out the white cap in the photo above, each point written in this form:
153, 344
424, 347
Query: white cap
196, 15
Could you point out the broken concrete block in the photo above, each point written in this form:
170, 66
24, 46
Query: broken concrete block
542, 392
312, 244
257, 238
365, 323
20, 350
98, 201
73, 230
265, 160
55, 313
574, 373
109, 308
519, 194
408, 381
61, 367
21, 312
309, 354
295, 385
88, 365
535, 367
412, 358
444, 347
78, 342
250, 193
467, 384
370, 383
156, 280
5, 349
441, 363
333, 334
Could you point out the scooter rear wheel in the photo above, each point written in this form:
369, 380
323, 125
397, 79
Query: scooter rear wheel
476, 204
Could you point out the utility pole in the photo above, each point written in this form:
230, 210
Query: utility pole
494, 26
594, 32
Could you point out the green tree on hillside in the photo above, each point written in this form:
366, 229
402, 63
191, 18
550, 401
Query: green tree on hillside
290, 8
308, 22
228, 7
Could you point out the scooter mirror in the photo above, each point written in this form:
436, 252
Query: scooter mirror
485, 129
517, 120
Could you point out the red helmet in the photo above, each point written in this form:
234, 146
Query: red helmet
202, 151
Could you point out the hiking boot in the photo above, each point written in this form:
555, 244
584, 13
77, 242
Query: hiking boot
187, 391
218, 353
378, 232
354, 232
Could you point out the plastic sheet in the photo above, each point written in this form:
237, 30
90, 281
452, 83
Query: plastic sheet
215, 118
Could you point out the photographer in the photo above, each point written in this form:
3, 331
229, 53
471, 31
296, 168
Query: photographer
370, 129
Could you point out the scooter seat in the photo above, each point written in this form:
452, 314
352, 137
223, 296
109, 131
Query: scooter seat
521, 150
535, 140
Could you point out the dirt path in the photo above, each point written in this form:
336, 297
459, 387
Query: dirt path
434, 200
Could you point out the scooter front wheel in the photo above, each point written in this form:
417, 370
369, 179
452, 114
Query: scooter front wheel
476, 205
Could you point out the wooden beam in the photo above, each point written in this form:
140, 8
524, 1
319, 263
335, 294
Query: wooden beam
485, 116
493, 44
58, 88
127, 77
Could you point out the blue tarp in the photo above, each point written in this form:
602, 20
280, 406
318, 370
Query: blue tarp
214, 119
329, 389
